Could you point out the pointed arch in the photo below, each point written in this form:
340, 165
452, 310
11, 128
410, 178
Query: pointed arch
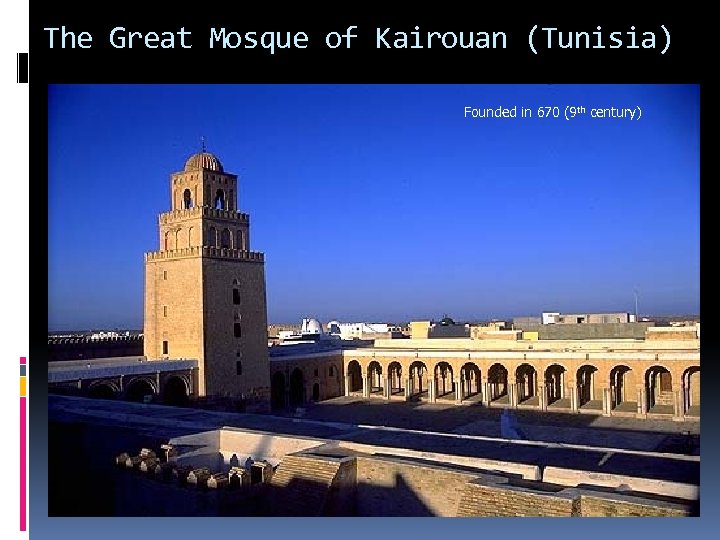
526, 379
211, 237
470, 380
555, 383
395, 378
659, 390
375, 376
225, 240
354, 374
187, 200
498, 383
418, 379
444, 380
586, 388
623, 394
220, 203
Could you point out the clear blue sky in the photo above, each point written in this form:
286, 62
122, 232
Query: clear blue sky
384, 202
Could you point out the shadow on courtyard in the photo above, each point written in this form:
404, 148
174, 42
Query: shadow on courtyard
476, 419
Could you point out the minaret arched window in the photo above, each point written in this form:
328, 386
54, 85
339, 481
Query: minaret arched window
219, 200
236, 292
225, 238
187, 199
212, 237
230, 203
240, 244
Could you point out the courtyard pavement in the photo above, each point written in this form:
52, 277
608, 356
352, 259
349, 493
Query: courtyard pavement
586, 429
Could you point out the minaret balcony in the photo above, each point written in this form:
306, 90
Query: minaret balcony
203, 211
206, 251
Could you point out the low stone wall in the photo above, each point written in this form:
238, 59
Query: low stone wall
590, 330
260, 445
369, 480
599, 506
393, 488
484, 498
572, 477
673, 333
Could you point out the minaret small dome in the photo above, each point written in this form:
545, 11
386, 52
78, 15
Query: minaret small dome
203, 160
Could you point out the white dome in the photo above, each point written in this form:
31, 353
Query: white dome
311, 326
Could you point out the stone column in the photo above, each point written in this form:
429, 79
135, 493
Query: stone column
347, 385
573, 391
641, 403
542, 397
157, 383
607, 401
512, 395
431, 389
407, 388
485, 389
459, 391
679, 409
366, 387
387, 387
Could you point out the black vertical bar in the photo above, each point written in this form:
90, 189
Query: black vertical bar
22, 67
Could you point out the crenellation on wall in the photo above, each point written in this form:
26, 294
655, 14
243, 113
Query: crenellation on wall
204, 251
174, 216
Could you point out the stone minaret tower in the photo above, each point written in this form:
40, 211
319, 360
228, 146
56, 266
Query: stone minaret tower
204, 288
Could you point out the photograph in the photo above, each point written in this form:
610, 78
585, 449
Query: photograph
373, 300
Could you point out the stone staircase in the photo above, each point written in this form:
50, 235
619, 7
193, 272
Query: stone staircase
664, 398
301, 484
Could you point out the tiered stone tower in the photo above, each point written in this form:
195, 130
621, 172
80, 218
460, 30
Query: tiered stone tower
204, 288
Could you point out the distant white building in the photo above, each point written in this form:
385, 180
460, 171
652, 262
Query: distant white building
311, 331
362, 330
553, 317
110, 334
550, 317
